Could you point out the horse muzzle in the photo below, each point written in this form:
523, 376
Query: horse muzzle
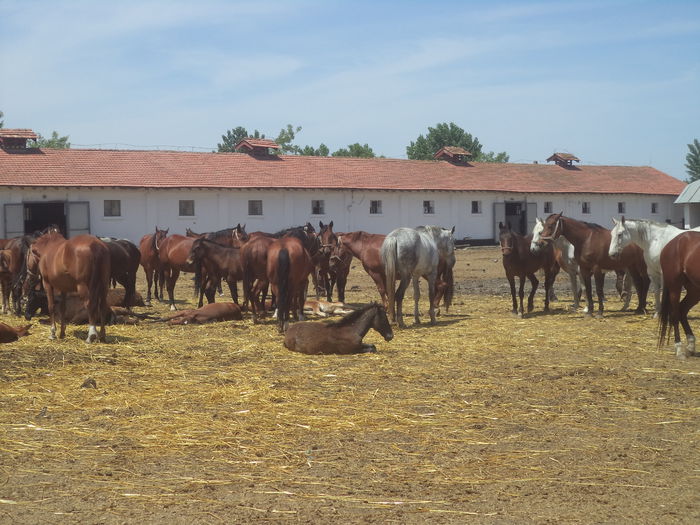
389, 336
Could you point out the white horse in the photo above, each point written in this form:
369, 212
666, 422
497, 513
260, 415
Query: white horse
409, 253
651, 237
567, 262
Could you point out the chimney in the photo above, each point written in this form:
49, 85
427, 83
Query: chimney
453, 154
565, 160
15, 139
256, 147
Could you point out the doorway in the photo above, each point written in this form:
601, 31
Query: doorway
516, 217
39, 215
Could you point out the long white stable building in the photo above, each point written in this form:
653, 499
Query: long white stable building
124, 193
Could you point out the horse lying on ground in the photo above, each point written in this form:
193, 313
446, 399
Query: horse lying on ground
339, 337
209, 313
324, 308
9, 334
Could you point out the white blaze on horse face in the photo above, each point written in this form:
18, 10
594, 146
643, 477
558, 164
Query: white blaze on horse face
619, 238
536, 233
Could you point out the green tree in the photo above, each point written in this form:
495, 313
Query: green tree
310, 151
444, 134
285, 139
54, 142
233, 137
692, 161
2, 122
355, 150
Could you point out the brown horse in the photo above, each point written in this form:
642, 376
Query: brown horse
289, 264
519, 261
174, 256
148, 246
255, 283
209, 313
591, 243
125, 258
338, 269
444, 283
81, 264
8, 334
680, 268
339, 337
6, 278
365, 246
322, 278
217, 261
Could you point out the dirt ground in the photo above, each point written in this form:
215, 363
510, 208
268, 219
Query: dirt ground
484, 418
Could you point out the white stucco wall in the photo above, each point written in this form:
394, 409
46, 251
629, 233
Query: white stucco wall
143, 209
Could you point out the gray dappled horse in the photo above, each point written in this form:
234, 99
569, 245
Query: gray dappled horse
409, 253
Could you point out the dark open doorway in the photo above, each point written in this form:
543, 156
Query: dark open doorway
39, 215
516, 217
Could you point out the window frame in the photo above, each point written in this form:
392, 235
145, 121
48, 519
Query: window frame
180, 208
586, 207
621, 207
479, 207
375, 207
316, 205
430, 208
250, 209
654, 208
112, 215
548, 207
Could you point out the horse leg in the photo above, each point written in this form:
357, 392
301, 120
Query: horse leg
534, 283
575, 291
691, 298
173, 274
674, 298
586, 276
400, 291
641, 284
431, 297
233, 288
341, 281
599, 283
521, 295
50, 300
513, 295
62, 314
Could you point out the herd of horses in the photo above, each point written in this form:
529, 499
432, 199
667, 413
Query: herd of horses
650, 253
36, 268
46, 268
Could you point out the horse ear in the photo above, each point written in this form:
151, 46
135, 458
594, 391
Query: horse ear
500, 226
453, 229
538, 220
330, 225
320, 224
614, 220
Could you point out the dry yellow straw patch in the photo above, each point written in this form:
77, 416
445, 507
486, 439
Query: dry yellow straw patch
484, 417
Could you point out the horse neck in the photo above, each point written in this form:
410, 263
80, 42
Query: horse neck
364, 323
576, 232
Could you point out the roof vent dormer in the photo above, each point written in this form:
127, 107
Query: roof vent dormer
256, 147
15, 139
565, 160
453, 154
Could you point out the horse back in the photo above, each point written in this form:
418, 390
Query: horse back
680, 259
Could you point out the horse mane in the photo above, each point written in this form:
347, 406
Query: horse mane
352, 317
294, 231
594, 226
219, 233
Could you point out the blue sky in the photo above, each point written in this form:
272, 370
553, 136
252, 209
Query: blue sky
614, 82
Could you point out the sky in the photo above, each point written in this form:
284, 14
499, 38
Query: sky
613, 82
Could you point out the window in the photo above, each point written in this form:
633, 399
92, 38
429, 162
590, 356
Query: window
654, 207
113, 208
375, 207
476, 207
255, 207
621, 207
585, 207
318, 208
548, 207
428, 207
187, 208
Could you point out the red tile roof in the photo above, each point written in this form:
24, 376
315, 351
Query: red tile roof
168, 169
17, 133
257, 143
564, 157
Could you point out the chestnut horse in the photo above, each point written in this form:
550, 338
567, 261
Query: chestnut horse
81, 264
338, 269
365, 246
219, 261
339, 337
680, 268
6, 265
519, 261
148, 246
591, 244
255, 283
322, 278
125, 259
174, 257
289, 264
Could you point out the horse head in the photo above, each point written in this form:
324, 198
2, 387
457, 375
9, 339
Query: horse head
158, 237
551, 230
619, 237
239, 234
505, 238
536, 234
197, 251
380, 322
328, 239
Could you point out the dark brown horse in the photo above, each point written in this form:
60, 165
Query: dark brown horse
125, 258
220, 262
339, 337
322, 278
6, 265
591, 244
289, 264
444, 283
680, 268
338, 269
365, 246
519, 261
81, 264
148, 246
255, 283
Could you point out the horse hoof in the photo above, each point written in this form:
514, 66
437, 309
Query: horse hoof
172, 308
520, 315
598, 315
147, 303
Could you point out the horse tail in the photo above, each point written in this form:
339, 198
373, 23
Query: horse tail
450, 290
664, 317
99, 285
389, 254
283, 267
197, 279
